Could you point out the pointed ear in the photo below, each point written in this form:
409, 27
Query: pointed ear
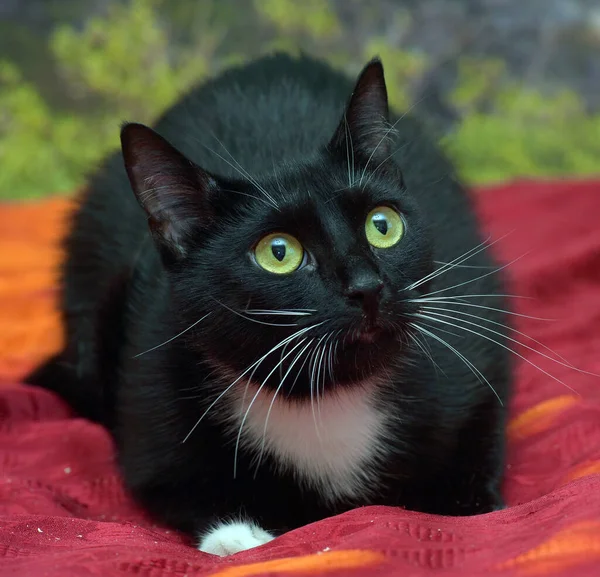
172, 190
364, 128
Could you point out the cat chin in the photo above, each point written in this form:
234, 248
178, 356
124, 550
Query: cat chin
232, 537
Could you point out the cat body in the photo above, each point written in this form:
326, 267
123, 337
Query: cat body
245, 401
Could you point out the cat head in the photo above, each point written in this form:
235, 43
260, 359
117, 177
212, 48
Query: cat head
303, 273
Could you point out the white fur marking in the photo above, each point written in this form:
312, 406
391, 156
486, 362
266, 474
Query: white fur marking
336, 455
232, 537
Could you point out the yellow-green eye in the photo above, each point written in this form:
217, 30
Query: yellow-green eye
279, 253
384, 227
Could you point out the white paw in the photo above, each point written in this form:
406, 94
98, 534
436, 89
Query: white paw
232, 537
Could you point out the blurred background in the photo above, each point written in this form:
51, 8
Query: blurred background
511, 86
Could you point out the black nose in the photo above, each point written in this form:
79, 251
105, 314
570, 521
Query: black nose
366, 291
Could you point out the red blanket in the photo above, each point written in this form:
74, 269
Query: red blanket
63, 511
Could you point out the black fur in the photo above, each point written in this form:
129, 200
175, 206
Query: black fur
134, 278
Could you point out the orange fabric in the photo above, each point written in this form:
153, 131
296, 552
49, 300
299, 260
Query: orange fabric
562, 552
538, 417
587, 468
29, 252
318, 563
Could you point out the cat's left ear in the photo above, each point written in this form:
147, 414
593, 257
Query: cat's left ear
174, 192
364, 129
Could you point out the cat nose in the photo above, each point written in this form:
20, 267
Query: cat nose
366, 291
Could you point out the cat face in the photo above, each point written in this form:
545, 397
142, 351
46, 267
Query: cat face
303, 275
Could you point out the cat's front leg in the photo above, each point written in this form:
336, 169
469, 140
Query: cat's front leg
232, 536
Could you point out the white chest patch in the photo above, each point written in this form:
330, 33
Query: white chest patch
333, 445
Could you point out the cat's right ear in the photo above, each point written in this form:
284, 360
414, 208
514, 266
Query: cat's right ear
364, 130
172, 190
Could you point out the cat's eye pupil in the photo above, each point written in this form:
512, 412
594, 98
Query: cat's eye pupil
380, 223
279, 253
384, 227
278, 249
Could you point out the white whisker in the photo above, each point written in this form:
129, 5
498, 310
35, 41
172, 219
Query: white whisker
441, 300
463, 265
464, 359
476, 278
173, 338
298, 356
426, 352
322, 367
242, 315
349, 152
311, 370
470, 296
386, 135
291, 312
454, 262
253, 365
564, 364
299, 371
439, 320
243, 171
457, 261
237, 442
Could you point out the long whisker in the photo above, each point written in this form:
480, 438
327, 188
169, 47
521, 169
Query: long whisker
440, 330
248, 195
459, 260
317, 370
242, 315
477, 278
291, 312
454, 262
432, 308
299, 371
349, 152
322, 366
282, 381
254, 364
244, 174
374, 172
239, 435
173, 338
331, 355
442, 300
337, 342
242, 170
464, 359
439, 320
463, 265
311, 368
470, 296
426, 352
563, 364
385, 135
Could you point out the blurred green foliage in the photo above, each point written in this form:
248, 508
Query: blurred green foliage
509, 130
139, 57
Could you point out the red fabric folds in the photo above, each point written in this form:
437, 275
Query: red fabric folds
63, 511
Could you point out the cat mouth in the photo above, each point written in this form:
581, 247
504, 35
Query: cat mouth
368, 333
365, 335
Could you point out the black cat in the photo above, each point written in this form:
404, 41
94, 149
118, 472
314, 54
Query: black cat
275, 325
